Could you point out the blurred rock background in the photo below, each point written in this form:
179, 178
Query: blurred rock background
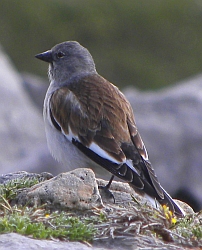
151, 49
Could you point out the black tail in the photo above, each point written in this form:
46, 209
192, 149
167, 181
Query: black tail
173, 206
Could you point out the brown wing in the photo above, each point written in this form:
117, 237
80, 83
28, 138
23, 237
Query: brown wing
87, 108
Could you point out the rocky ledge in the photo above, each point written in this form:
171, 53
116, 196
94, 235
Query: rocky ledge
129, 223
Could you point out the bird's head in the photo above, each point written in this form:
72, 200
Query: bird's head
67, 60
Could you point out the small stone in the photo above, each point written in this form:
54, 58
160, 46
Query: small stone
76, 189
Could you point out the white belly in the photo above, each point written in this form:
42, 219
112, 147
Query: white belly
63, 150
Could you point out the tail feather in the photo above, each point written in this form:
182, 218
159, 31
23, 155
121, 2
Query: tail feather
173, 206
149, 193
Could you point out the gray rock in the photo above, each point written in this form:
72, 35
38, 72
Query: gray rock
76, 189
36, 88
22, 136
15, 241
22, 175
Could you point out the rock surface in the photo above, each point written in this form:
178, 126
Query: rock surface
15, 241
22, 136
76, 189
22, 175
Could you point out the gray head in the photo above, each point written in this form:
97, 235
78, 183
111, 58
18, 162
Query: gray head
67, 60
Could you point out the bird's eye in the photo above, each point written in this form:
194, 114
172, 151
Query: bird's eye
60, 54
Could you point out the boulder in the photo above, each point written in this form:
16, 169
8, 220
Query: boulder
75, 190
12, 241
22, 136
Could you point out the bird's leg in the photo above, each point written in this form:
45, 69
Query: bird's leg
110, 182
106, 190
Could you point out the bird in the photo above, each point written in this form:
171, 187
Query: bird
88, 120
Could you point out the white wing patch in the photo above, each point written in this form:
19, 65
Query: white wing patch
99, 151
94, 147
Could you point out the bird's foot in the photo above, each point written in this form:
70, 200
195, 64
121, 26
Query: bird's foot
106, 193
105, 190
